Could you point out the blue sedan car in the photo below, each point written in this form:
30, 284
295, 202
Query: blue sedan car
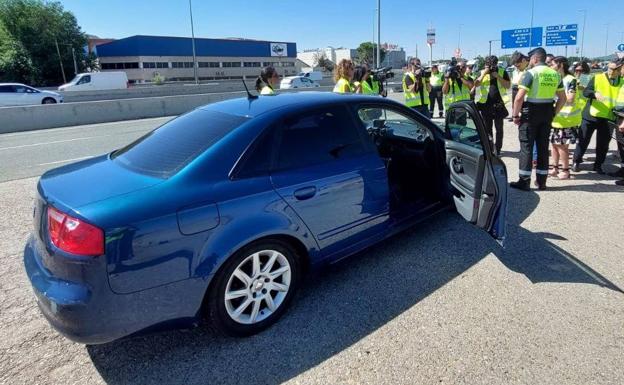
219, 213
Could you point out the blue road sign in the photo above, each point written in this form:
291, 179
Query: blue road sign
519, 38
564, 34
621, 47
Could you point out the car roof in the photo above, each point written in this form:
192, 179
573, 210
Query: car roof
287, 101
13, 84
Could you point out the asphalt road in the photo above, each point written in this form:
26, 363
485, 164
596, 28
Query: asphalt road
441, 303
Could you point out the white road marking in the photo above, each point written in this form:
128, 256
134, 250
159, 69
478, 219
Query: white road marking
52, 142
82, 127
66, 160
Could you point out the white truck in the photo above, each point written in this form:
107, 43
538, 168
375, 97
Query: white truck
96, 81
316, 76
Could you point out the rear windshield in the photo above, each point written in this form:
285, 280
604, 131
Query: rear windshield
166, 150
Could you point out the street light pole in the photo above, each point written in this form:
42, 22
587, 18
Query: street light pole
531, 28
378, 33
459, 40
193, 43
374, 22
583, 34
491, 46
607, 40
58, 52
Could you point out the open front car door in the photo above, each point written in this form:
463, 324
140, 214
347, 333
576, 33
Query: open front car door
478, 178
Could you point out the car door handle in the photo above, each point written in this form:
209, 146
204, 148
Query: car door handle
457, 165
305, 193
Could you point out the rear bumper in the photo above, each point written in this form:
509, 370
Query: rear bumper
93, 314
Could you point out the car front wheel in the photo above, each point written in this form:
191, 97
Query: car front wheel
48, 101
254, 288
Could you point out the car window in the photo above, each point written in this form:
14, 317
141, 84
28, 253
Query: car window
399, 124
257, 159
166, 150
323, 136
6, 89
462, 128
85, 79
20, 89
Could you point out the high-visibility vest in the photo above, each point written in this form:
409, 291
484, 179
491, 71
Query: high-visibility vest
619, 102
545, 84
343, 86
436, 80
604, 109
482, 91
570, 115
413, 99
375, 87
267, 90
456, 93
366, 88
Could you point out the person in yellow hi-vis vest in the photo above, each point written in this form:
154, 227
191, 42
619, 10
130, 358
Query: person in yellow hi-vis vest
601, 93
565, 124
491, 97
416, 87
536, 94
619, 132
267, 81
343, 74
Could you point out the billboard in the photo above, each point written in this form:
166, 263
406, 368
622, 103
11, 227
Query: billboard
279, 49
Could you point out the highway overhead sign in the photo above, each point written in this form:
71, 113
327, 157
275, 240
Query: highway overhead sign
563, 34
519, 38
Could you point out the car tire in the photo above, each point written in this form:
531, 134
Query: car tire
250, 299
48, 101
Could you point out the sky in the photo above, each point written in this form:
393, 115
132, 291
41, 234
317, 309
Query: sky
347, 23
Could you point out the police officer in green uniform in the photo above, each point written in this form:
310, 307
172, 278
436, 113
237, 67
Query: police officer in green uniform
601, 93
416, 88
437, 81
539, 85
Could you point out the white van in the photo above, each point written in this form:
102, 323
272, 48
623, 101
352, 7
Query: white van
95, 81
317, 76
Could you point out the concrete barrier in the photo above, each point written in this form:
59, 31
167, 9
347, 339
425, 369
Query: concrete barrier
27, 118
146, 91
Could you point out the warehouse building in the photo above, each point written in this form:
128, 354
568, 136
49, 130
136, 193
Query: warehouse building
146, 58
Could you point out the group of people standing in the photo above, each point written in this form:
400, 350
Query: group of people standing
552, 103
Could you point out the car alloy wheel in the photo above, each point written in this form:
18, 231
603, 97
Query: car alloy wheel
257, 287
253, 288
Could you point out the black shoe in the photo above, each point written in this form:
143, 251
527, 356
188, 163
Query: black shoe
576, 167
540, 186
522, 184
598, 169
617, 174
620, 182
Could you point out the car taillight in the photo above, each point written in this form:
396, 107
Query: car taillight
73, 235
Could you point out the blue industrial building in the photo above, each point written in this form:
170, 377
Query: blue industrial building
145, 57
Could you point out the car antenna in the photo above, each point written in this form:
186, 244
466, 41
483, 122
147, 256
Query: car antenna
249, 95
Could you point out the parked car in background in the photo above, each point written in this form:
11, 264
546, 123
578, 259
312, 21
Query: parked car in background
316, 76
17, 94
96, 81
219, 213
297, 82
